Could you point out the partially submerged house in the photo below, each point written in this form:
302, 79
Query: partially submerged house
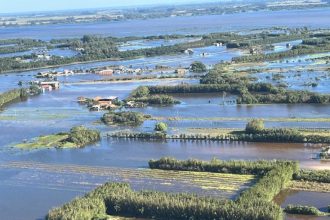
50, 85
133, 104
181, 72
46, 85
104, 103
107, 72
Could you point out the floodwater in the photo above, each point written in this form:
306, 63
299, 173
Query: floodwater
317, 199
282, 46
58, 111
143, 44
23, 176
314, 18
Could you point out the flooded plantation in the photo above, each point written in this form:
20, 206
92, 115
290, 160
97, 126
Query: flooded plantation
74, 180
175, 89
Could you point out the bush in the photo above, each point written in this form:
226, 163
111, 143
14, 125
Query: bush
141, 91
198, 67
82, 136
303, 210
255, 126
161, 126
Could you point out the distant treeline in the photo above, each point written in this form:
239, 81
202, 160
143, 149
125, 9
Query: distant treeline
93, 48
256, 93
276, 135
309, 46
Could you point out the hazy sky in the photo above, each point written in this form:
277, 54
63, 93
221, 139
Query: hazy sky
12, 6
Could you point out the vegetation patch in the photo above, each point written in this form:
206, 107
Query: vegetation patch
254, 203
76, 138
310, 186
124, 118
320, 176
303, 210
142, 95
13, 95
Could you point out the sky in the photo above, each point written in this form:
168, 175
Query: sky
15, 6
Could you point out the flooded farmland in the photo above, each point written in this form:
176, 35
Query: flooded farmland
48, 177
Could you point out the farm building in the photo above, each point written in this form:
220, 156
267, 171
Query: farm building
107, 72
181, 71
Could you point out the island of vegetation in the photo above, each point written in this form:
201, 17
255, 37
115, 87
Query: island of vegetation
78, 137
142, 95
17, 95
124, 118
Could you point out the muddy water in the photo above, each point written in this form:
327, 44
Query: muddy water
193, 103
58, 111
35, 185
316, 199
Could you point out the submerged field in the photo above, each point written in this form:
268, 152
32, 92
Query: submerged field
32, 171
75, 177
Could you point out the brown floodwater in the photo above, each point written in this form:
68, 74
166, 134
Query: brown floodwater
317, 199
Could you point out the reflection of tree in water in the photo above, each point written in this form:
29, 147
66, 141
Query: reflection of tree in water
283, 195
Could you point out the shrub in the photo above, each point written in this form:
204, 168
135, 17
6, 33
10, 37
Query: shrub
255, 126
198, 67
161, 126
141, 91
82, 136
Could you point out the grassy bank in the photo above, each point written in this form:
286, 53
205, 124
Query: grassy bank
76, 138
12, 96
304, 210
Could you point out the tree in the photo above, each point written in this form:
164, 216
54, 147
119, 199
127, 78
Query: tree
141, 91
161, 126
255, 126
198, 67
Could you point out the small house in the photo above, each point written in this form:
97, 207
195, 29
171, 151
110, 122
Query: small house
105, 103
181, 71
50, 85
107, 72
